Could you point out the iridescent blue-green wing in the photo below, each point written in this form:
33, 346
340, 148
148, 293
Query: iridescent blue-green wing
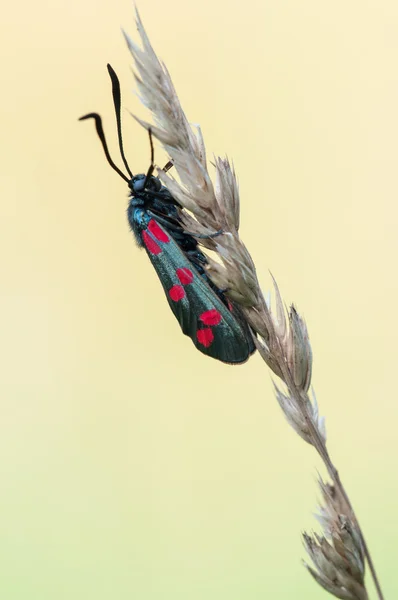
216, 330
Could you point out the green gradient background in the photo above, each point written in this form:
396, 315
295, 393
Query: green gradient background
131, 465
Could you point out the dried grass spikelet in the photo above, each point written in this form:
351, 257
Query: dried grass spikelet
288, 341
338, 554
295, 417
289, 355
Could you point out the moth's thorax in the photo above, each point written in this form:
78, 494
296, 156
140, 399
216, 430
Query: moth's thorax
138, 219
152, 200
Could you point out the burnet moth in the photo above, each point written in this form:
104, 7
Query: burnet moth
214, 324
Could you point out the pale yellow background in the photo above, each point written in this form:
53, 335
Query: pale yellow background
132, 467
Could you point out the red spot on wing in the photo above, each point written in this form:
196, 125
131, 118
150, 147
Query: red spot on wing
230, 306
176, 293
158, 231
185, 275
205, 337
210, 317
150, 243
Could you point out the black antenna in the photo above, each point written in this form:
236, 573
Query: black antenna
117, 102
152, 165
101, 135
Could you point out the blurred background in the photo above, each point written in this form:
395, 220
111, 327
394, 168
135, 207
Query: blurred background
131, 465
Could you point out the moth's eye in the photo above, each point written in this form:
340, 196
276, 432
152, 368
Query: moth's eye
138, 183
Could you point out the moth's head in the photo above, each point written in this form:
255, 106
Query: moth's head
137, 183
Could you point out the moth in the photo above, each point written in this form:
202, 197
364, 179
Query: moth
214, 323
